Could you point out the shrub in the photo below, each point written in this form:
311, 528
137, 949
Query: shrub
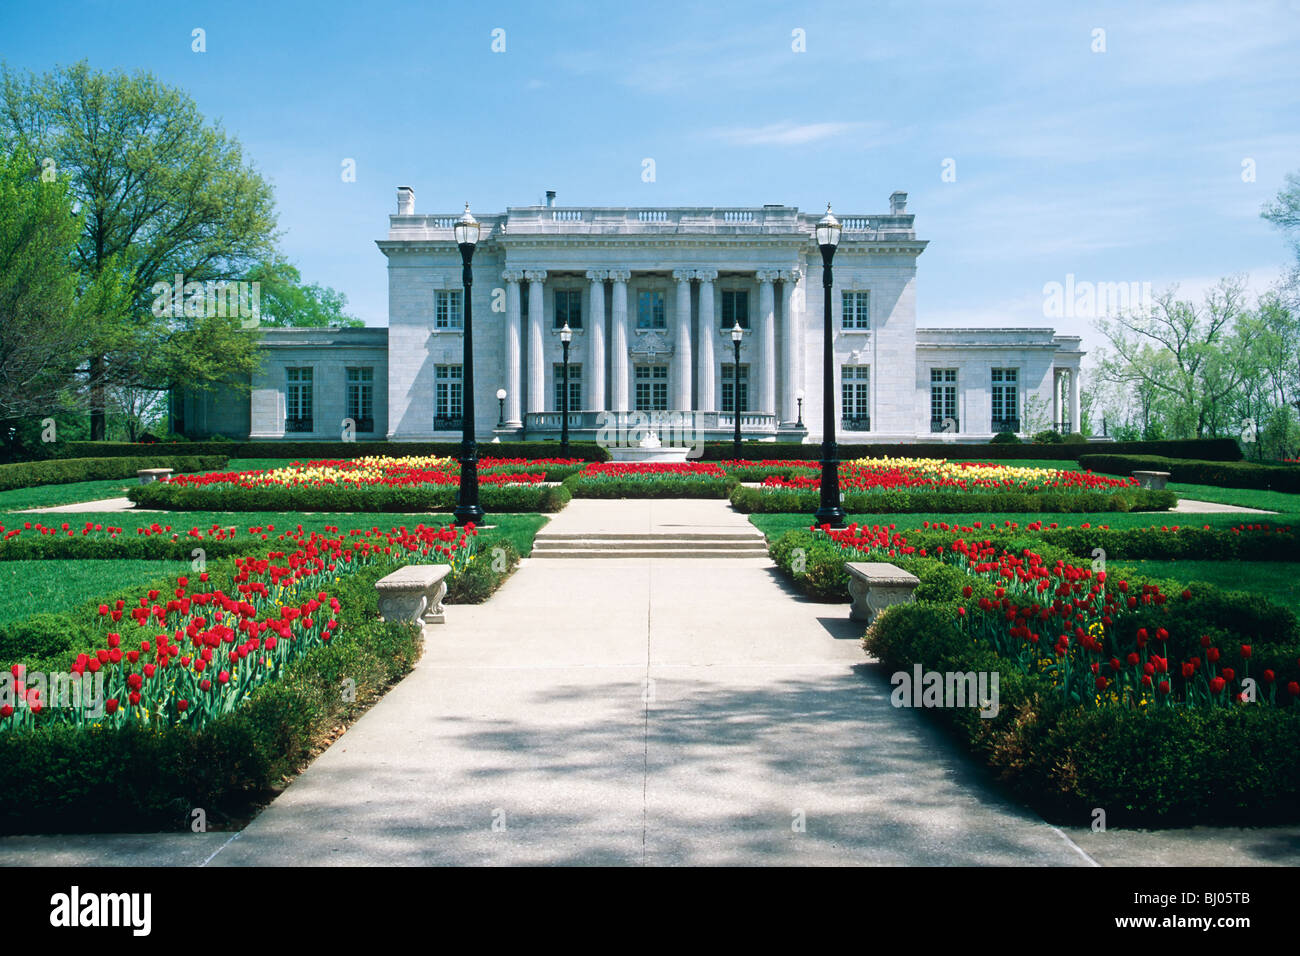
1224, 474
1210, 449
306, 450
60, 778
942, 501
60, 471
1006, 438
1047, 437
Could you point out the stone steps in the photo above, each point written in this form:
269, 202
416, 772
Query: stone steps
650, 544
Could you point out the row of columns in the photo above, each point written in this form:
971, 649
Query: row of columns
684, 361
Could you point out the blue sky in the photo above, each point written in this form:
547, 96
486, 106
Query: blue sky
1115, 166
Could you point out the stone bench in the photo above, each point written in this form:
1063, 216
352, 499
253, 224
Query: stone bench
874, 586
414, 593
1154, 480
147, 475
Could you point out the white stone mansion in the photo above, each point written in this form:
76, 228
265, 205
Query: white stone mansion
651, 296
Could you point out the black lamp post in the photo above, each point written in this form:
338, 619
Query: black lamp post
501, 402
831, 511
798, 397
467, 506
737, 333
566, 337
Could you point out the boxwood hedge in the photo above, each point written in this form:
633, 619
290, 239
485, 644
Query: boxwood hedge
943, 501
1224, 474
342, 498
62, 471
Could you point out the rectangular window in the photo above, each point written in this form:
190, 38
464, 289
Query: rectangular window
650, 311
361, 398
298, 400
943, 400
652, 388
735, 308
855, 398
575, 386
1006, 400
856, 309
446, 309
568, 308
731, 390
448, 398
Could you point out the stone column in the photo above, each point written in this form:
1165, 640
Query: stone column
704, 361
1074, 400
682, 345
618, 340
767, 341
536, 352
594, 381
514, 347
792, 327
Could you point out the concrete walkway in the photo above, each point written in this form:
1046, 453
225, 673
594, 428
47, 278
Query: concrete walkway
647, 711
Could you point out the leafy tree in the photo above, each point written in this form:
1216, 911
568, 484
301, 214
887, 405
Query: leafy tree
163, 193
1184, 356
287, 301
50, 322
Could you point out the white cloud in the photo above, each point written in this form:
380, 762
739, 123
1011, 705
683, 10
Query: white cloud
784, 133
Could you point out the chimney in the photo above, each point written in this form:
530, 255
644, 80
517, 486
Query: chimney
897, 203
550, 198
405, 201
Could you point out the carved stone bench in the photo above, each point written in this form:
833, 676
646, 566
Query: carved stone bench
414, 593
146, 475
874, 586
1155, 480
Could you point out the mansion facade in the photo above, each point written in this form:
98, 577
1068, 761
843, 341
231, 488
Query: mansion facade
650, 296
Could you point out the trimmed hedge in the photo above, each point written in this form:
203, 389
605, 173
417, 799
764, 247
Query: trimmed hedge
1209, 449
797, 500
64, 779
62, 471
304, 450
1224, 474
373, 498
1151, 767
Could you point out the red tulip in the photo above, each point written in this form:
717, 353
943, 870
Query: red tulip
1269, 677
1163, 687
1245, 651
110, 705
1216, 684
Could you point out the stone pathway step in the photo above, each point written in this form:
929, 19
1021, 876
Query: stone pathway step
714, 543
682, 552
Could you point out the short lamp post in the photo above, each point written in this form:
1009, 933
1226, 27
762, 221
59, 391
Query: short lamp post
501, 403
831, 512
467, 506
798, 397
737, 333
566, 338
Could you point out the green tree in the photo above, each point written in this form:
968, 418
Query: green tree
50, 323
162, 193
288, 302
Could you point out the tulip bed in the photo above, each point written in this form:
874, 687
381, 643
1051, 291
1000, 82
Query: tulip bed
1162, 704
900, 485
203, 673
614, 479
412, 484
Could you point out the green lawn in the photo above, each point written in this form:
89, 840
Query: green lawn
775, 525
35, 587
50, 496
1243, 497
1275, 580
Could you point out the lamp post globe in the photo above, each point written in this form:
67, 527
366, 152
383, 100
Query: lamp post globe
737, 333
501, 402
830, 511
566, 338
466, 231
